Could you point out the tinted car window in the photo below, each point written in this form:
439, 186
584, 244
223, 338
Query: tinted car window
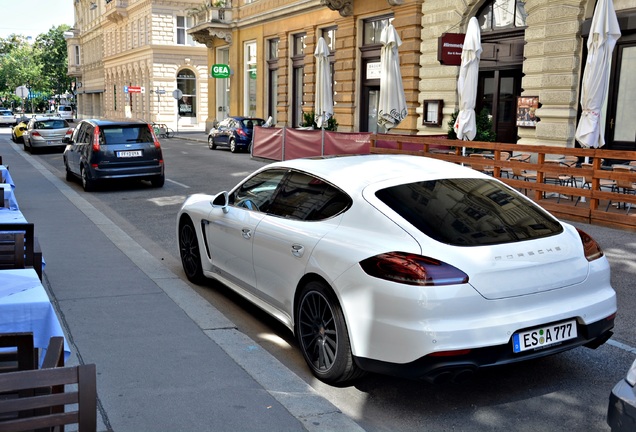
469, 212
257, 192
124, 135
50, 124
308, 198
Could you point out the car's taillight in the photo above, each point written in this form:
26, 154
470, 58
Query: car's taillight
35, 133
154, 137
591, 248
412, 269
96, 139
69, 132
241, 132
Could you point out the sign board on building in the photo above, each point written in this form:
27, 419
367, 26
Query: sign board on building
134, 89
374, 70
449, 49
220, 71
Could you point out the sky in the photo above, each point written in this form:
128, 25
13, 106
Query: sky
34, 17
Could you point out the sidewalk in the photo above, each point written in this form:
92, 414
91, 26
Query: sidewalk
166, 359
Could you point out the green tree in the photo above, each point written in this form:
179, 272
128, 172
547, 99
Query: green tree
18, 66
51, 54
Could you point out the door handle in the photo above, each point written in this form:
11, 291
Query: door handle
246, 233
297, 250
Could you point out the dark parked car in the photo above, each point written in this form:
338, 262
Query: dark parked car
621, 414
234, 132
103, 149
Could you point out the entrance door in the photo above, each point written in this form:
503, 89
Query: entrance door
497, 92
620, 128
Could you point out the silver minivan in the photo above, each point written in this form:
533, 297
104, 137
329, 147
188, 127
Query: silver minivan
66, 112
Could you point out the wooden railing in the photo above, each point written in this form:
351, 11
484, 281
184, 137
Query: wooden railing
599, 204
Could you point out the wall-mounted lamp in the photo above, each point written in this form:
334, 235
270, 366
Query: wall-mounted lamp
93, 6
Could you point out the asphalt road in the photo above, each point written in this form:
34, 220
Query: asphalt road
564, 392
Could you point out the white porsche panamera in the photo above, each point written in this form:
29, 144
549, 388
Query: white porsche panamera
402, 265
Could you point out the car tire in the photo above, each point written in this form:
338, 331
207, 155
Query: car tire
69, 174
322, 335
233, 147
27, 145
190, 251
158, 181
211, 144
87, 183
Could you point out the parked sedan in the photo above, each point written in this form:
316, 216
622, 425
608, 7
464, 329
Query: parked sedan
101, 150
234, 132
401, 265
7, 118
45, 132
621, 413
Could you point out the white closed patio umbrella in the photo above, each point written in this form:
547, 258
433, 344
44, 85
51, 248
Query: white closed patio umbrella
323, 109
392, 107
604, 33
466, 125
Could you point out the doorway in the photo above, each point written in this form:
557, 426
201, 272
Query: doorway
497, 92
620, 129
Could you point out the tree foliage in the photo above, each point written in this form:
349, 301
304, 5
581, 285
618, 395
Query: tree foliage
42, 66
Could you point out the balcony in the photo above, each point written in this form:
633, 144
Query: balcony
212, 23
116, 10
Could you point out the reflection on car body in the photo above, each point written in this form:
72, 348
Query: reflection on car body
401, 265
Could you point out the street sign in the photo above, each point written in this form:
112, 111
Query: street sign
177, 94
220, 71
160, 91
134, 89
22, 92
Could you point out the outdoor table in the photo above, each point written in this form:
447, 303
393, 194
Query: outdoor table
11, 216
25, 307
8, 196
5, 176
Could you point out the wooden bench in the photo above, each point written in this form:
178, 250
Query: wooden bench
80, 401
20, 237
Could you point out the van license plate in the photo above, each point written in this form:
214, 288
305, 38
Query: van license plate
130, 153
544, 336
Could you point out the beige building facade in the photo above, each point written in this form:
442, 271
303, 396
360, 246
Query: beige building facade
133, 59
533, 53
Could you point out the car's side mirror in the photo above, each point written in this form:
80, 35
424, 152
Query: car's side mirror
222, 200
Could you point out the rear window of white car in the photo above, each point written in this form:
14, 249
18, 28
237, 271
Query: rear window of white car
50, 124
469, 212
65, 108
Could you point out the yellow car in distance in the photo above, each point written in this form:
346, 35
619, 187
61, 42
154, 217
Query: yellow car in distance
18, 129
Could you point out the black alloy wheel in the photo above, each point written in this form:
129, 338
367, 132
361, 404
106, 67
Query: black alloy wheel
211, 144
190, 251
69, 174
322, 335
87, 183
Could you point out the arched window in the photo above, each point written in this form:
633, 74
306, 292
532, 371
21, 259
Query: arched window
187, 83
502, 14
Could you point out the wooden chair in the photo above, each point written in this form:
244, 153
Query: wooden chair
479, 162
627, 186
20, 237
80, 401
22, 354
587, 182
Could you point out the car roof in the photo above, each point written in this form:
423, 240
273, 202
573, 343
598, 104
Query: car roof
100, 122
355, 172
246, 118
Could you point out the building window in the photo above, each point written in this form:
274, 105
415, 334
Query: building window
223, 86
502, 14
183, 24
187, 83
329, 34
77, 55
272, 78
298, 78
249, 103
372, 30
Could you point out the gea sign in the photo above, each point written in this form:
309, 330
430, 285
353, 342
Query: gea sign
220, 71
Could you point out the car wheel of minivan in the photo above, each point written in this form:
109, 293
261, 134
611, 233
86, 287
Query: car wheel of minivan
233, 145
87, 183
211, 144
69, 174
158, 181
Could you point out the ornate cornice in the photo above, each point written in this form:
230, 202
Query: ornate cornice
344, 7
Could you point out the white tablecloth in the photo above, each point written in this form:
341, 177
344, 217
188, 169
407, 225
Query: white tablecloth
25, 307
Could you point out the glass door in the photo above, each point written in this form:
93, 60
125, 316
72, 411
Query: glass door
620, 128
497, 92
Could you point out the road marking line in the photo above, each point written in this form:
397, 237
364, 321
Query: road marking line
179, 184
622, 346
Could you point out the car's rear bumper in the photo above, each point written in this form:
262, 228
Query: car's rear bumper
446, 367
621, 413
151, 170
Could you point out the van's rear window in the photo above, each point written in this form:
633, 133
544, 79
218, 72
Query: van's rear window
469, 212
126, 135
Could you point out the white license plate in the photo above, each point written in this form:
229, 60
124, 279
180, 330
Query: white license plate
542, 337
53, 142
130, 153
